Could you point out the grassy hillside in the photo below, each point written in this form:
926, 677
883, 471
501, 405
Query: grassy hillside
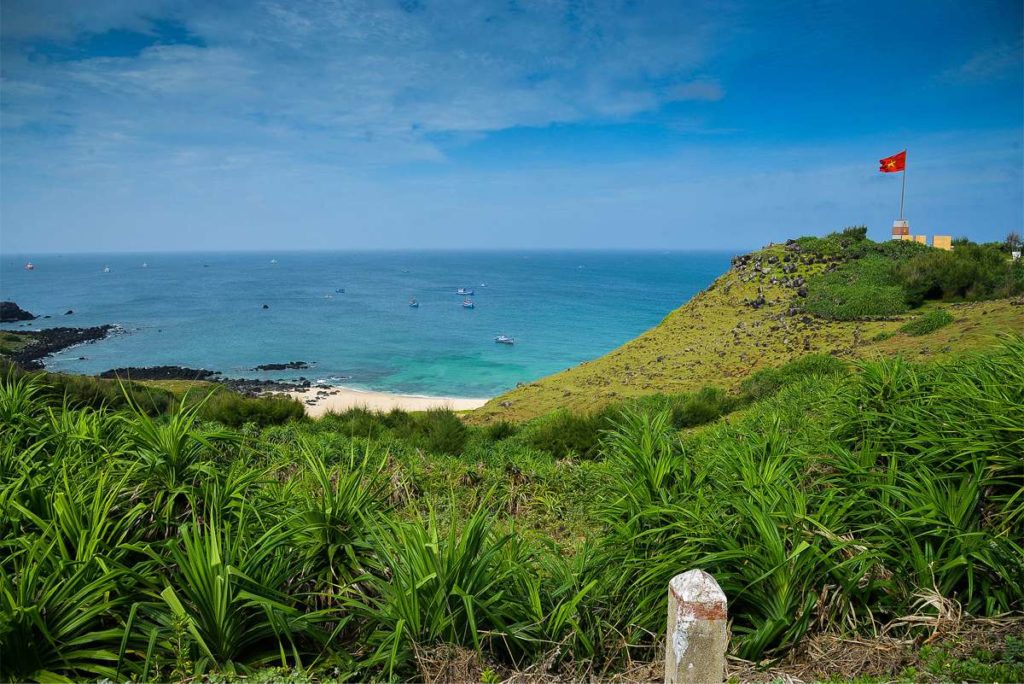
762, 313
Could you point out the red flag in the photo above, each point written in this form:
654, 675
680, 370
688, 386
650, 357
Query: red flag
897, 162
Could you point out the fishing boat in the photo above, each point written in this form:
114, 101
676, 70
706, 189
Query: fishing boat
273, 261
30, 266
413, 304
106, 269
468, 304
505, 339
463, 291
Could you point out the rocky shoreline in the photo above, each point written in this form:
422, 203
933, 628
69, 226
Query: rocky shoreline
245, 386
42, 343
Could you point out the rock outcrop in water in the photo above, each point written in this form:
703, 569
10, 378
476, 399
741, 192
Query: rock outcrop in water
291, 365
160, 373
12, 313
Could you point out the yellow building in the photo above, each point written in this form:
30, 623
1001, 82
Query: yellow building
921, 239
942, 242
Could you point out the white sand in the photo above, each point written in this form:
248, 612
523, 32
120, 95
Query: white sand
341, 399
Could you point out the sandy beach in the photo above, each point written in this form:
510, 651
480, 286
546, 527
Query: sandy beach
320, 400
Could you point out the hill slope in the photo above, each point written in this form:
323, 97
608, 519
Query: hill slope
750, 318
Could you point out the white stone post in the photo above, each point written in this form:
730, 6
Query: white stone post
697, 631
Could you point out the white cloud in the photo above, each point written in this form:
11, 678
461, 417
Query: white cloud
707, 91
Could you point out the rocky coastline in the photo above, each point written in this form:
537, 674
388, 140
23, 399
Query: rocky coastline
245, 386
42, 343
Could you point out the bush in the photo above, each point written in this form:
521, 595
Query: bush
564, 434
702, 407
438, 431
503, 429
235, 410
861, 288
969, 272
768, 381
927, 322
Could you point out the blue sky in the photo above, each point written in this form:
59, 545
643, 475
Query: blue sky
142, 125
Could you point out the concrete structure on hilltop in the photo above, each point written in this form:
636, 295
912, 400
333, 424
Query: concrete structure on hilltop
901, 231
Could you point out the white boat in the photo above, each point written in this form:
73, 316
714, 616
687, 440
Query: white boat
106, 269
505, 339
30, 266
145, 265
468, 304
413, 304
463, 291
273, 261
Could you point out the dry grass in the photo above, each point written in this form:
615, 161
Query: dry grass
822, 656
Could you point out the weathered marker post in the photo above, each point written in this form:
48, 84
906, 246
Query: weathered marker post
697, 632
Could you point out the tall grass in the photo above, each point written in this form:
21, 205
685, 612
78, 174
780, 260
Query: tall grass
165, 547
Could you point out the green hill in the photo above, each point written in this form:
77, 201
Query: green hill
785, 301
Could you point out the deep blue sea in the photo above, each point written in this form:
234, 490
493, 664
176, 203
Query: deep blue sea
205, 311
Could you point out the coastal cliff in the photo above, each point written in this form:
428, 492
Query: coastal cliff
756, 316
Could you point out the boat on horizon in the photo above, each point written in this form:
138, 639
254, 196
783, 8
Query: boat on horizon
340, 290
30, 266
106, 269
413, 304
505, 339
273, 261
463, 291
468, 304
145, 265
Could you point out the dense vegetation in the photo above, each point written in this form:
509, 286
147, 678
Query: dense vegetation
217, 403
166, 546
889, 278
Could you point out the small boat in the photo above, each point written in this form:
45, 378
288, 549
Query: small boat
463, 291
340, 290
483, 284
468, 304
106, 269
505, 339
273, 261
413, 304
145, 265
30, 266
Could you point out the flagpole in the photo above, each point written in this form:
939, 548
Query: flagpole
903, 191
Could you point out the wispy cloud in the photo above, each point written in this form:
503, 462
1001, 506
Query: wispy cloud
995, 62
355, 82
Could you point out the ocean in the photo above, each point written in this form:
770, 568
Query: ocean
206, 311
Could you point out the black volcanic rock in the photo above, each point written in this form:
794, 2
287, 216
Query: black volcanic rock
160, 373
12, 313
52, 340
291, 365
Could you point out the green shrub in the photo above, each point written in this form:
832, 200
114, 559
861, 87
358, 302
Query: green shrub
709, 404
927, 322
235, 410
768, 381
500, 430
862, 288
438, 431
565, 434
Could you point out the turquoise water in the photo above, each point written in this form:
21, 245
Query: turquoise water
205, 311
